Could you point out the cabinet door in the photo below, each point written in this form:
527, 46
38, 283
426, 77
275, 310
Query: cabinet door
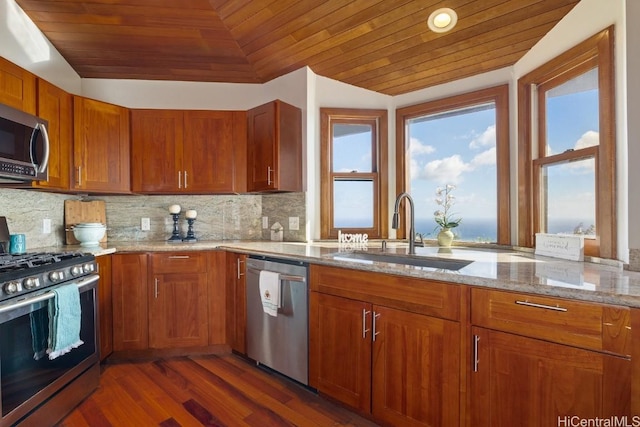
178, 310
156, 150
261, 149
130, 314
533, 383
54, 105
210, 141
236, 302
340, 349
17, 87
105, 306
101, 147
416, 369
274, 148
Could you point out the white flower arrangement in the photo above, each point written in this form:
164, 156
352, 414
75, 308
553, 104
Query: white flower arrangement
445, 199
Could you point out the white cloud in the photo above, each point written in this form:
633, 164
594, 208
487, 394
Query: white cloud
485, 139
590, 138
416, 147
447, 170
487, 157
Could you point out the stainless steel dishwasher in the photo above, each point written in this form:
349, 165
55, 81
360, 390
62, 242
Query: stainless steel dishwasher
279, 342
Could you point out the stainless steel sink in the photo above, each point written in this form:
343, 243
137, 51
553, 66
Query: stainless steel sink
418, 261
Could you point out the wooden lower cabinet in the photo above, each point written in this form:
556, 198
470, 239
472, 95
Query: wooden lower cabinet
235, 295
105, 306
130, 313
162, 300
520, 381
401, 367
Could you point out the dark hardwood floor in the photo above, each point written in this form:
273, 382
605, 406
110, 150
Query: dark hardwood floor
203, 391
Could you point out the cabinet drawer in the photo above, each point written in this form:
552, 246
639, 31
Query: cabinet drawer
179, 262
420, 296
581, 324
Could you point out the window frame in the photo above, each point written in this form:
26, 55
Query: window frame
378, 175
596, 51
499, 95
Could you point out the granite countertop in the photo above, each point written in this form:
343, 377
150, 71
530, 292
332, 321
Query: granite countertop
493, 267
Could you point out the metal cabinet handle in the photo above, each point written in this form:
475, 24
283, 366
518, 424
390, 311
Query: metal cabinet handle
375, 332
179, 257
476, 339
238, 262
185, 179
155, 285
546, 307
269, 170
364, 322
179, 179
79, 176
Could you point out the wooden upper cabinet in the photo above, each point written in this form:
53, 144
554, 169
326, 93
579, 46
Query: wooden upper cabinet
55, 106
190, 152
101, 147
274, 148
17, 87
156, 150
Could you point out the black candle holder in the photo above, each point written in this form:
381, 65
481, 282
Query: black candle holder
175, 236
191, 237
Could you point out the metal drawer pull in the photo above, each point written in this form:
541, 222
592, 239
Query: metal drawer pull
179, 257
547, 307
476, 340
364, 322
238, 262
375, 316
155, 290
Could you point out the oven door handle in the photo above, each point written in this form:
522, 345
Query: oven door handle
82, 282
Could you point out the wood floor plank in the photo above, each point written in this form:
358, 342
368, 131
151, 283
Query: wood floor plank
220, 391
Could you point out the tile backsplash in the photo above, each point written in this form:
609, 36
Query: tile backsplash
220, 217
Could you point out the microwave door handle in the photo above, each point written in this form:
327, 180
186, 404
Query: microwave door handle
45, 138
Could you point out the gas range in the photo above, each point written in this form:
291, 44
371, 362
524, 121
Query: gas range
30, 272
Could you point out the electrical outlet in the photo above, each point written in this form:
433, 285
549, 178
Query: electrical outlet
145, 224
265, 222
294, 223
46, 226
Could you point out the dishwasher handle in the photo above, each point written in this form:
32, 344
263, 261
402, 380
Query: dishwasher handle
283, 277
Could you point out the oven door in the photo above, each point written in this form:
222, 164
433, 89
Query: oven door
25, 382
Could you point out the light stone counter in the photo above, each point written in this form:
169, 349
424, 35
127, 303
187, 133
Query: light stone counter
506, 269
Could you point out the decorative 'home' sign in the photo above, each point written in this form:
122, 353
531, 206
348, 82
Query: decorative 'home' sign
560, 246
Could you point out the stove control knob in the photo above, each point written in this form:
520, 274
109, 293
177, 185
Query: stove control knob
76, 270
88, 268
31, 282
56, 276
11, 288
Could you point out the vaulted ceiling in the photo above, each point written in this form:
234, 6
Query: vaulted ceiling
381, 45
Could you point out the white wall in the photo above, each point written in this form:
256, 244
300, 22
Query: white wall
633, 122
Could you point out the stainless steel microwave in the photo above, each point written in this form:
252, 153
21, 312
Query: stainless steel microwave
24, 146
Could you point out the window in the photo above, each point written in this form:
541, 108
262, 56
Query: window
567, 146
353, 172
463, 141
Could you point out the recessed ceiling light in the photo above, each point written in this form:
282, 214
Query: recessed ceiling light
442, 20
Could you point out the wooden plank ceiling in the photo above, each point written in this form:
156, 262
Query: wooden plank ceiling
381, 45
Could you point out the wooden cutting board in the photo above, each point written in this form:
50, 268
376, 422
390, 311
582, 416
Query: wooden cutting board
77, 211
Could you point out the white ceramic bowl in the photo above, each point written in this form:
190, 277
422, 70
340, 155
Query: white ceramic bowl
89, 235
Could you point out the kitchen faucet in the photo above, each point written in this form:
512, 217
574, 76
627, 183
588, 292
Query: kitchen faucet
395, 222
